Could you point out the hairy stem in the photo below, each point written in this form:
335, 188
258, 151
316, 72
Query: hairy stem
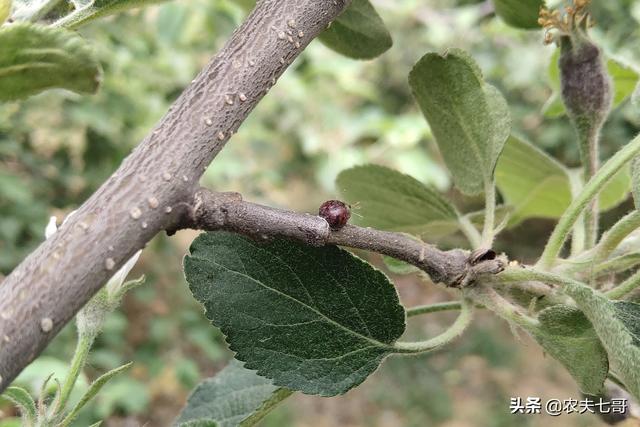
470, 231
459, 326
588, 193
488, 229
616, 234
77, 363
589, 138
623, 289
257, 415
434, 308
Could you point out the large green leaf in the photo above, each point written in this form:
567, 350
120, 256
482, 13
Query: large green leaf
358, 32
537, 186
229, 398
34, 58
318, 320
519, 13
568, 336
625, 79
89, 10
386, 199
469, 118
617, 325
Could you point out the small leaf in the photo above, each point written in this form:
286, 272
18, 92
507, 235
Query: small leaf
94, 388
537, 185
358, 32
519, 13
568, 336
230, 397
399, 267
616, 323
21, 398
89, 10
34, 58
318, 320
469, 118
5, 10
389, 200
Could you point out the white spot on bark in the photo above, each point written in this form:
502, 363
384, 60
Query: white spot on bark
109, 263
208, 121
242, 97
153, 202
135, 212
221, 136
166, 176
168, 209
46, 324
144, 224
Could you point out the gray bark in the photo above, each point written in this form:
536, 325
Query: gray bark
144, 195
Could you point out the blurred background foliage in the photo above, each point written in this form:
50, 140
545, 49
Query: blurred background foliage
326, 113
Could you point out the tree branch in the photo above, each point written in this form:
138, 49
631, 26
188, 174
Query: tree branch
47, 289
227, 211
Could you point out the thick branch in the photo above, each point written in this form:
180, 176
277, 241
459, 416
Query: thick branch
140, 199
227, 211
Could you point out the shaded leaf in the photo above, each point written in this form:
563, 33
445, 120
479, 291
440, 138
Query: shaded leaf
389, 200
537, 185
230, 397
34, 58
89, 10
616, 323
519, 13
469, 118
568, 336
358, 32
399, 267
23, 400
318, 320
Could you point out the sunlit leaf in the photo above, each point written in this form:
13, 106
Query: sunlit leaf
34, 58
318, 320
89, 10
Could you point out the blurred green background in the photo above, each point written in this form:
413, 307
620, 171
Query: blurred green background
325, 114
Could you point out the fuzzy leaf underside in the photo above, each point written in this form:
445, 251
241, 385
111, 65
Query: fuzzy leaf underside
228, 398
617, 325
34, 58
358, 32
568, 336
317, 320
469, 118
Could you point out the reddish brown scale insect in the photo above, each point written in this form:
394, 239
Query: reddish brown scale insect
336, 213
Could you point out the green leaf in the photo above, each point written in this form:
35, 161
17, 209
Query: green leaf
537, 185
568, 336
469, 118
519, 13
358, 32
234, 395
87, 11
399, 267
34, 58
617, 325
389, 200
625, 79
93, 390
23, 400
318, 320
